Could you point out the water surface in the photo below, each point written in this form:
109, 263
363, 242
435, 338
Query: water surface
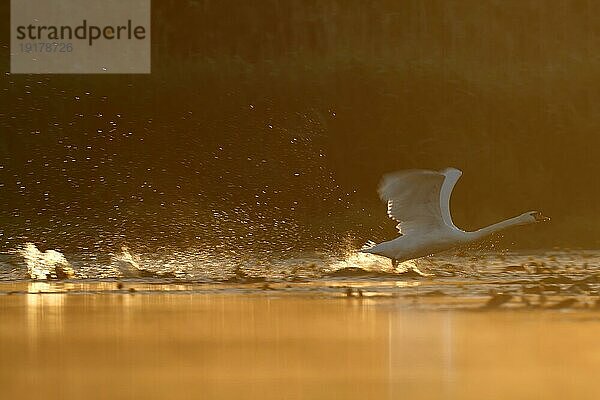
229, 345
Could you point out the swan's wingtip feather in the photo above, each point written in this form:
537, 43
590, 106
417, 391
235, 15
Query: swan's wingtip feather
390, 182
451, 171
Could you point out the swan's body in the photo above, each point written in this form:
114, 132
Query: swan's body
420, 201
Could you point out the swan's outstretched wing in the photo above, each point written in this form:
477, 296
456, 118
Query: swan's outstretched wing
419, 199
452, 175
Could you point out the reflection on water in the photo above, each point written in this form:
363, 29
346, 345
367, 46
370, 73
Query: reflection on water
272, 347
43, 313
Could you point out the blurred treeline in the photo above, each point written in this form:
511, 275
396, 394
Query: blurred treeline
271, 122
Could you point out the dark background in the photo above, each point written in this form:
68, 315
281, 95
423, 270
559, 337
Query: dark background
267, 125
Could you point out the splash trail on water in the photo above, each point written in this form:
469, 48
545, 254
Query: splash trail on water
558, 279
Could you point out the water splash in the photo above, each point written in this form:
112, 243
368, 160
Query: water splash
126, 263
131, 266
50, 264
371, 263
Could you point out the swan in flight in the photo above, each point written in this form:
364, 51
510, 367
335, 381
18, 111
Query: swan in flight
419, 200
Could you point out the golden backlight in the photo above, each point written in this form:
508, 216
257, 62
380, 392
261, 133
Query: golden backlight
193, 233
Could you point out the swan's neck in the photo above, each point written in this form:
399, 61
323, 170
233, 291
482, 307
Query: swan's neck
488, 230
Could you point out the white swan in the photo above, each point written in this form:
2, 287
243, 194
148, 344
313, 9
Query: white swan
420, 201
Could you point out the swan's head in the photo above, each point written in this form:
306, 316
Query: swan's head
535, 216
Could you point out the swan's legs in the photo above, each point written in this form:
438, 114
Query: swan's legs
394, 263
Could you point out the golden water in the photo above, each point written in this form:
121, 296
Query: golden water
183, 345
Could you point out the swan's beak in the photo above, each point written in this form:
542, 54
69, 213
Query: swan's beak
539, 217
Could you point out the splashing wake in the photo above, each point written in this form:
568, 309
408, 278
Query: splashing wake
50, 264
